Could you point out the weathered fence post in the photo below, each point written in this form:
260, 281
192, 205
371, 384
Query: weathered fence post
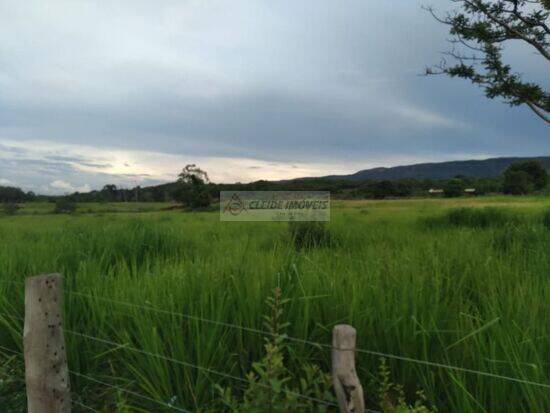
46, 370
344, 377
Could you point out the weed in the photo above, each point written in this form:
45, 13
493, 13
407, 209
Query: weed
270, 384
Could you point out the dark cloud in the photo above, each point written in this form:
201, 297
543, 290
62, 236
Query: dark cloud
294, 82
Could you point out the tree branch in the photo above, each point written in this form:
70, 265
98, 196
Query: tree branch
538, 111
478, 5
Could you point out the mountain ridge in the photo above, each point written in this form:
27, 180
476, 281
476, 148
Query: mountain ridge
478, 168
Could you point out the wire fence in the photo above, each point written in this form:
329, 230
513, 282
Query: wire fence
314, 343
228, 376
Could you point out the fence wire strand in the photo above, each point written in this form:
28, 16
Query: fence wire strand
319, 345
195, 366
85, 406
18, 353
270, 334
133, 393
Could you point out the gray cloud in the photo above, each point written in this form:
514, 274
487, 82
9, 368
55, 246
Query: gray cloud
274, 81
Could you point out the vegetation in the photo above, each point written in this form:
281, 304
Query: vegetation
469, 295
191, 188
270, 385
10, 208
13, 194
454, 188
546, 219
64, 206
305, 234
481, 29
475, 218
522, 178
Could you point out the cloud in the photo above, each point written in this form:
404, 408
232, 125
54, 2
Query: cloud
68, 187
132, 90
4, 181
426, 117
83, 168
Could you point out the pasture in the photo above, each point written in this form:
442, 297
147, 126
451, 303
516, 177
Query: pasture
414, 283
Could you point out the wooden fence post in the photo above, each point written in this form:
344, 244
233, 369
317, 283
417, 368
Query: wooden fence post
344, 377
46, 370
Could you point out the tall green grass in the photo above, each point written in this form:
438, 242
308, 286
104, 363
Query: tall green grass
459, 295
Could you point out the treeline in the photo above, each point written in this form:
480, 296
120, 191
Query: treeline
14, 194
194, 188
343, 189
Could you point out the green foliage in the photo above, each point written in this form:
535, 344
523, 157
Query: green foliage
546, 218
310, 234
407, 291
454, 188
64, 206
12, 385
473, 218
10, 208
192, 190
483, 28
13, 194
532, 172
524, 237
270, 385
392, 399
517, 183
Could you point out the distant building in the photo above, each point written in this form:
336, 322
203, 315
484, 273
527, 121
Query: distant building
435, 191
470, 190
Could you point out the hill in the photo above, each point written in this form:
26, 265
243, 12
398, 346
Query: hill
486, 168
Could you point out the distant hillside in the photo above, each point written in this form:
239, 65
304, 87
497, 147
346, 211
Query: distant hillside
487, 168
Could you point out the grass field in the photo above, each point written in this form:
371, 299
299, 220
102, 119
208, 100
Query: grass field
412, 282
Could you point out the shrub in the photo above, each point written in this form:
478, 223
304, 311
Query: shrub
391, 397
64, 206
270, 385
10, 208
309, 234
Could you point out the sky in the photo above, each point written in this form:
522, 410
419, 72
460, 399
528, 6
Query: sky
129, 92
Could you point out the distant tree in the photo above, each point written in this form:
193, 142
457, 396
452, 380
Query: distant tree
453, 188
158, 194
12, 194
517, 183
480, 30
64, 205
524, 177
109, 193
383, 189
536, 171
192, 188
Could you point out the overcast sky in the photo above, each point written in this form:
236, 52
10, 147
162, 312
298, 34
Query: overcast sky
129, 92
